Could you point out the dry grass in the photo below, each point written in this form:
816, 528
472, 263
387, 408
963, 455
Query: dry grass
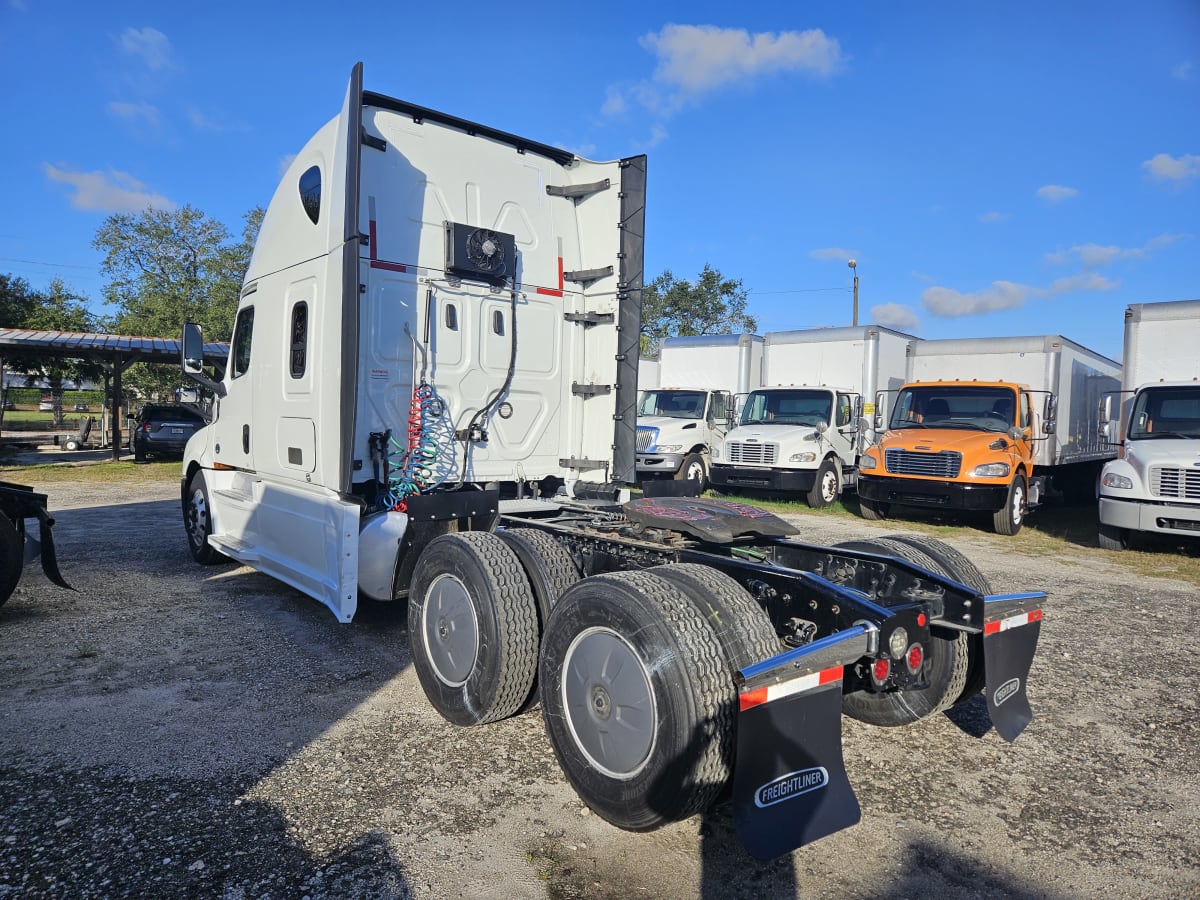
93, 473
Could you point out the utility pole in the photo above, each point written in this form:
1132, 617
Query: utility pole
853, 264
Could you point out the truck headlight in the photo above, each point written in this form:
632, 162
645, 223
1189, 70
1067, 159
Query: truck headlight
716, 452
992, 470
802, 457
1120, 482
867, 462
668, 448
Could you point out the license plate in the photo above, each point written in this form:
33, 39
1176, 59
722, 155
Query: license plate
176, 431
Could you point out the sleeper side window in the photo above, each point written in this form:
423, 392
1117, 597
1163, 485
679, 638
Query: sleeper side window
243, 332
299, 342
310, 193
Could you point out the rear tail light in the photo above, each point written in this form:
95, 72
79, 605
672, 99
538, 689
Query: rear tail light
145, 428
914, 658
880, 670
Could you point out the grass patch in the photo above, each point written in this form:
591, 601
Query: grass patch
95, 473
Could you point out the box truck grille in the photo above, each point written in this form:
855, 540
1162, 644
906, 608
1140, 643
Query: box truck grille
1179, 484
646, 437
911, 462
751, 454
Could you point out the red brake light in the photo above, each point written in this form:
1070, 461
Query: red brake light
921, 620
915, 657
880, 670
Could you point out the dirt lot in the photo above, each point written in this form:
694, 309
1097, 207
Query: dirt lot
177, 730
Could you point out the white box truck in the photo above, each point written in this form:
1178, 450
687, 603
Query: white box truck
988, 424
428, 400
688, 413
803, 432
1153, 486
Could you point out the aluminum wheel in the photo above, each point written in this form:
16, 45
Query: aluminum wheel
450, 630
609, 703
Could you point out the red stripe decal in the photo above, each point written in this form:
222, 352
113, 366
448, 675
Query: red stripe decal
550, 291
831, 675
390, 266
754, 698
379, 263
1035, 615
991, 627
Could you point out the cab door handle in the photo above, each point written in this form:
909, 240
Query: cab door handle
246, 439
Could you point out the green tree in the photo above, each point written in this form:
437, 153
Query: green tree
712, 305
171, 267
16, 300
58, 309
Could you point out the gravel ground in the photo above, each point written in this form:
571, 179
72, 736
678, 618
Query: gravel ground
176, 730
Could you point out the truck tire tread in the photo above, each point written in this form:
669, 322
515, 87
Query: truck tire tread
691, 757
501, 675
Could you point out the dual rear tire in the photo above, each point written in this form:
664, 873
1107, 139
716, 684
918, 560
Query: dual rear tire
635, 668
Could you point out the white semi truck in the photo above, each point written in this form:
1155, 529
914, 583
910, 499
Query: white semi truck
1153, 486
803, 432
430, 400
688, 412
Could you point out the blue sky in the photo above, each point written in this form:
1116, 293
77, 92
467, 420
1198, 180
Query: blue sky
995, 168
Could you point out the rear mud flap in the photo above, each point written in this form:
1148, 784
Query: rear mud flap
790, 785
1010, 634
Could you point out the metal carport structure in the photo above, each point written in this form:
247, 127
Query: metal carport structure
114, 352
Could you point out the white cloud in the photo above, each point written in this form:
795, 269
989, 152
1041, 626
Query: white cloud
1084, 281
895, 315
921, 276
135, 112
658, 134
614, 102
1092, 256
1164, 167
150, 44
990, 218
693, 60
832, 254
109, 192
1183, 71
286, 162
700, 58
951, 304
1002, 295
1056, 193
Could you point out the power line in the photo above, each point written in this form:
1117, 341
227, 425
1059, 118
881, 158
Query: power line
38, 262
799, 291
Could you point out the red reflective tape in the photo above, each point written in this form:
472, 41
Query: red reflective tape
550, 291
390, 266
1025, 618
831, 675
371, 228
751, 699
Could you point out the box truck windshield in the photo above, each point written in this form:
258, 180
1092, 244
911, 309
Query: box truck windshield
1166, 412
673, 404
799, 407
952, 406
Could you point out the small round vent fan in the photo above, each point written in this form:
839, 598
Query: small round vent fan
485, 251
